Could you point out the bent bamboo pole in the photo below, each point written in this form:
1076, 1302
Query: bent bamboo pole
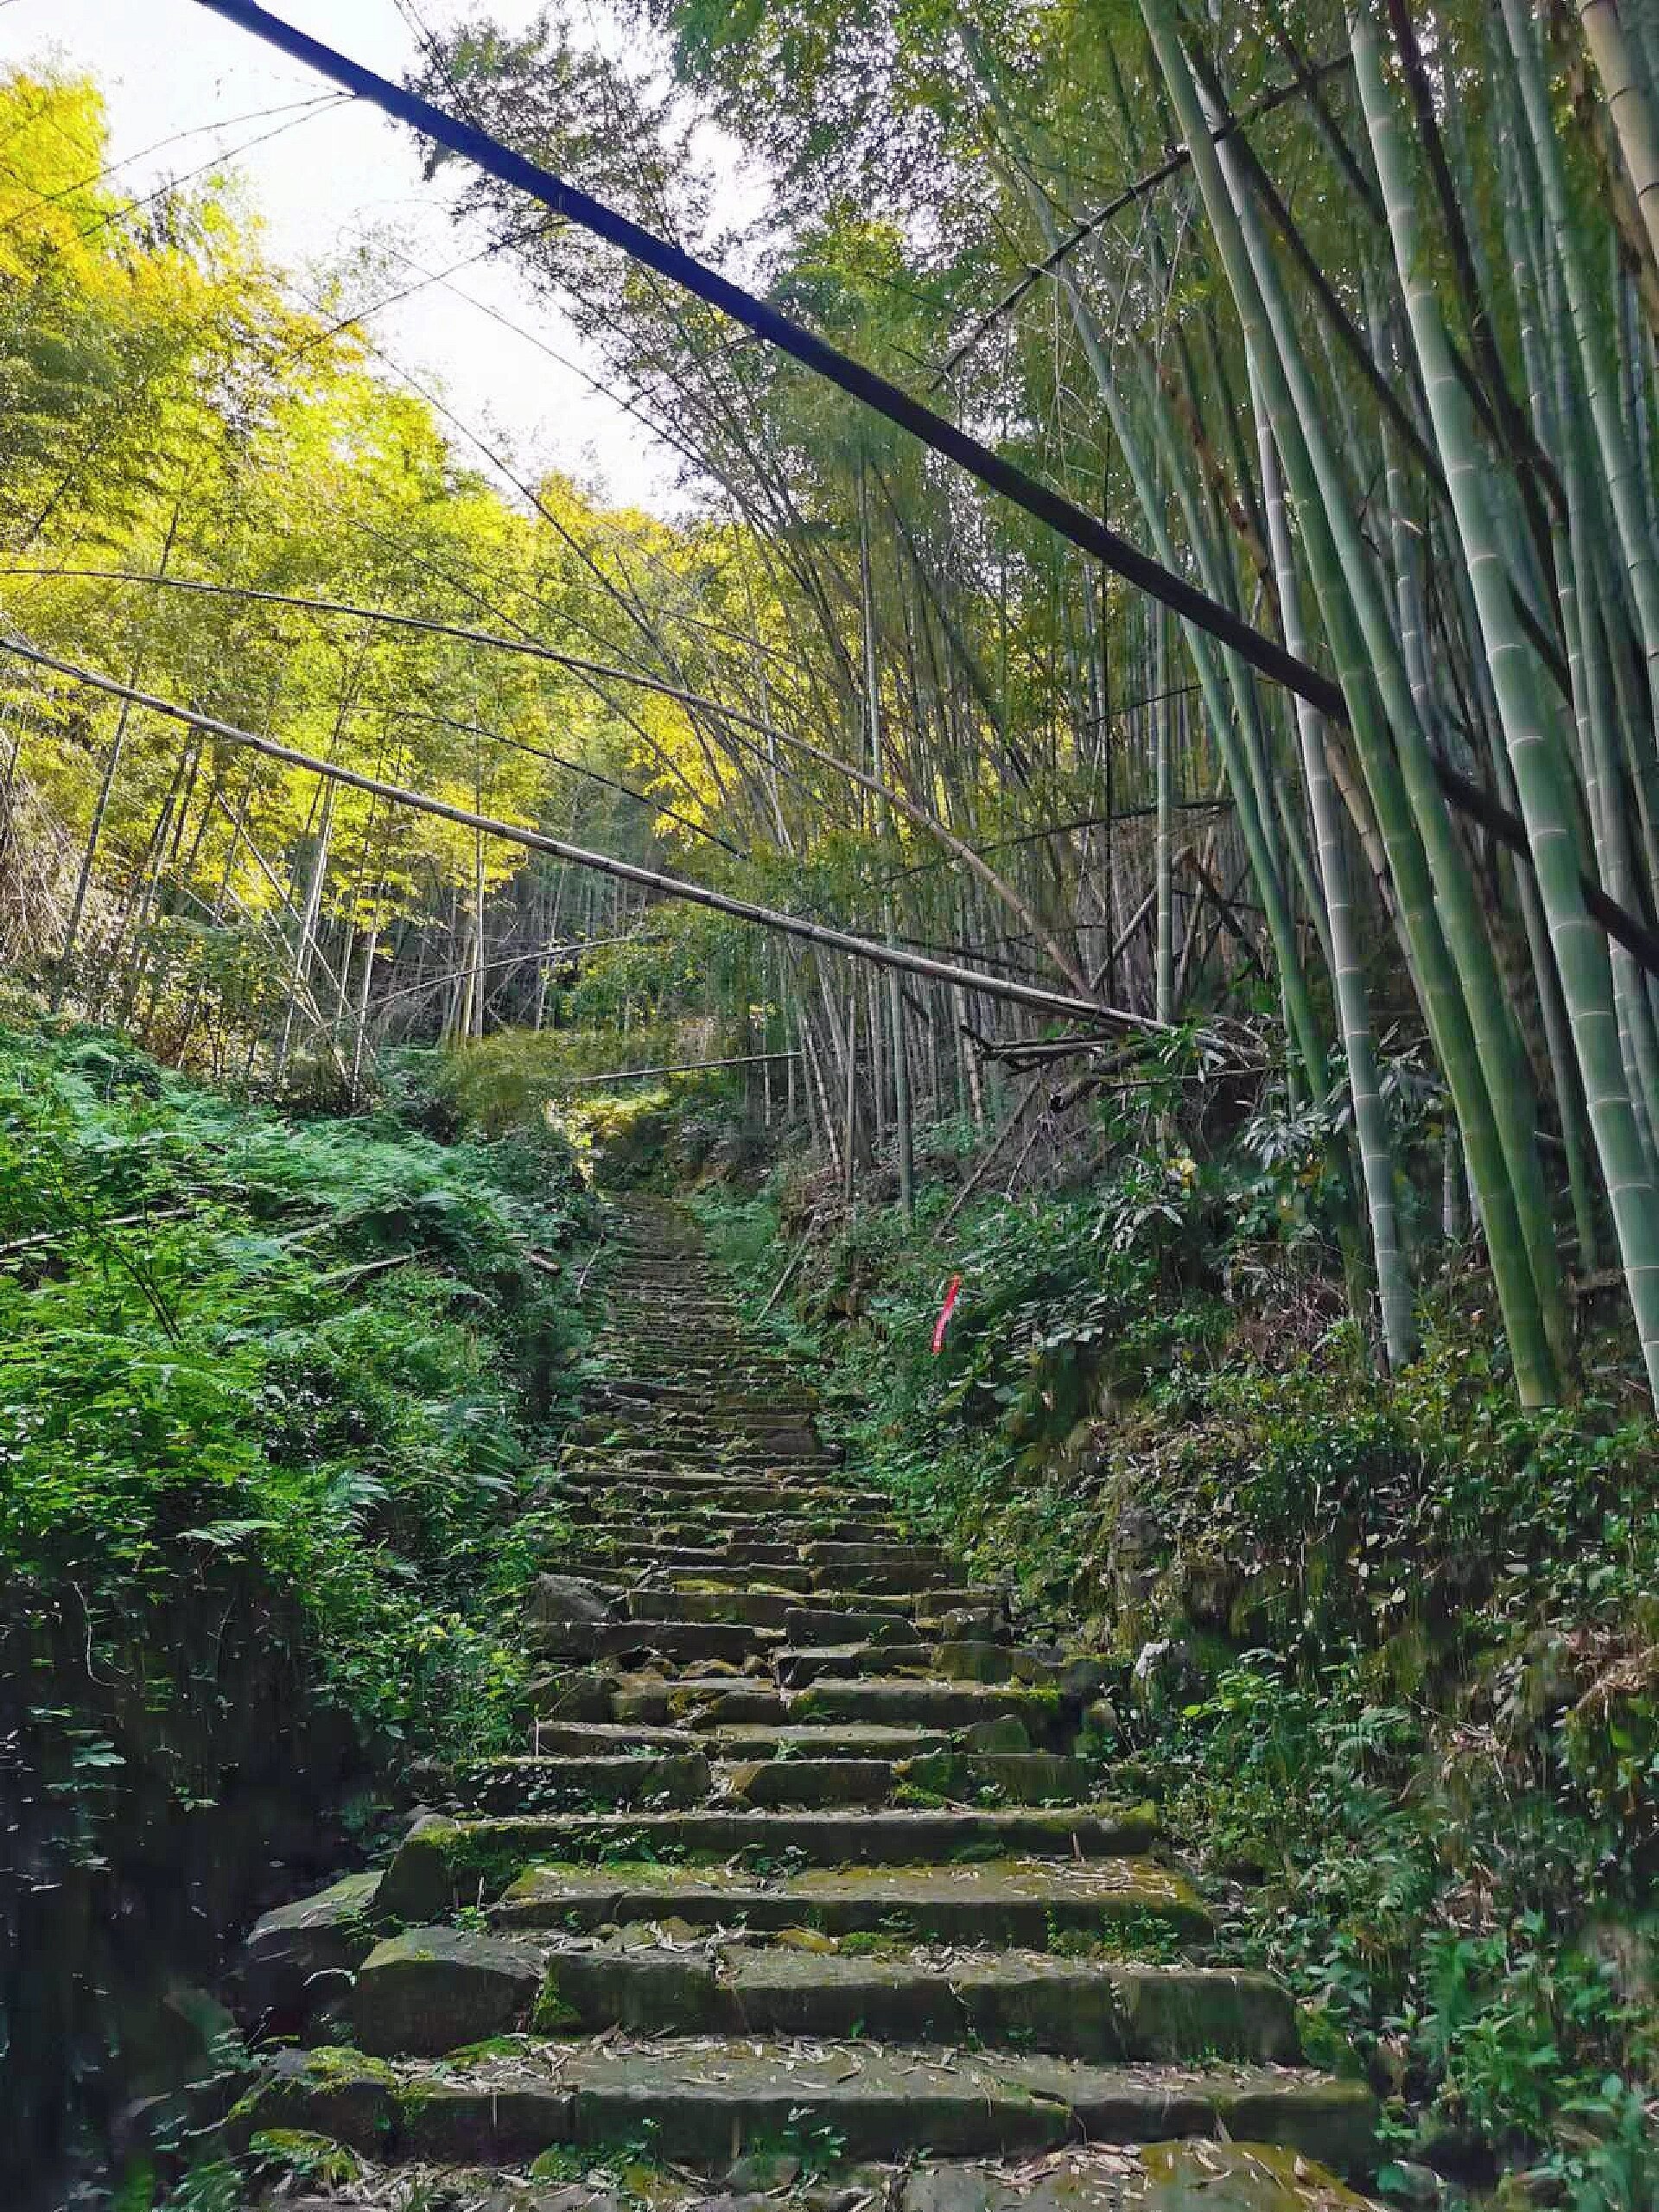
918, 817
667, 887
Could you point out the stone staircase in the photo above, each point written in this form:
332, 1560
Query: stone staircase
806, 1850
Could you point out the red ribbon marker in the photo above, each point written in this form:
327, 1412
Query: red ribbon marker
945, 1312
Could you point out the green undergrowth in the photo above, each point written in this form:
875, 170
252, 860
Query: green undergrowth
273, 1394
664, 1132
1388, 1650
311, 1357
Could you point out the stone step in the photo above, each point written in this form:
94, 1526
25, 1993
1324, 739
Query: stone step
693, 1642
826, 1662
442, 1863
714, 1700
927, 1704
807, 1625
745, 1455
714, 1572
875, 1572
789, 1743
608, 1739
741, 1507
906, 1710
961, 1777
802, 1533
714, 1426
690, 1485
654, 1552
1032, 1904
774, 1609
698, 1361
546, 1782
698, 2102
579, 1767
811, 1514
779, 1407
1108, 2012
686, 1642
853, 1552
702, 1701
653, 1446
749, 1608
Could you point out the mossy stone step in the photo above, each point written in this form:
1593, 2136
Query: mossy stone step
926, 1704
781, 1526
545, 1780
710, 1701
700, 2102
720, 1701
687, 1643
788, 1742
441, 1863
292, 1952
775, 1608
653, 1552
707, 1430
673, 1490
656, 1446
808, 1626
747, 1608
608, 1739
430, 1990
727, 1395
1016, 1777
853, 1551
825, 1662
1110, 2014
878, 1571
1031, 1903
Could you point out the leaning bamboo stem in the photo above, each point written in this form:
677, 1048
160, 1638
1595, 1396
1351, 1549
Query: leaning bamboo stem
652, 880
1580, 953
1348, 976
1627, 104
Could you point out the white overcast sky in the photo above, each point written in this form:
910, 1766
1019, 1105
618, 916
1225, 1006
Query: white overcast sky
169, 67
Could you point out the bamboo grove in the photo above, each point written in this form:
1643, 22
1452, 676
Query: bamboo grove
1346, 315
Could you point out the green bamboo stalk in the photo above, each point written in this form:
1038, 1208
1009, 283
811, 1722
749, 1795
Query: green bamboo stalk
1552, 395
1470, 1026
1301, 1021
1618, 461
1164, 992
1581, 949
1347, 966
1628, 105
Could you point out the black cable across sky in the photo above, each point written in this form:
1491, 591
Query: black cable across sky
1090, 534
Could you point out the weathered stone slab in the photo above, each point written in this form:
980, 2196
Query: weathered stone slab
435, 1989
